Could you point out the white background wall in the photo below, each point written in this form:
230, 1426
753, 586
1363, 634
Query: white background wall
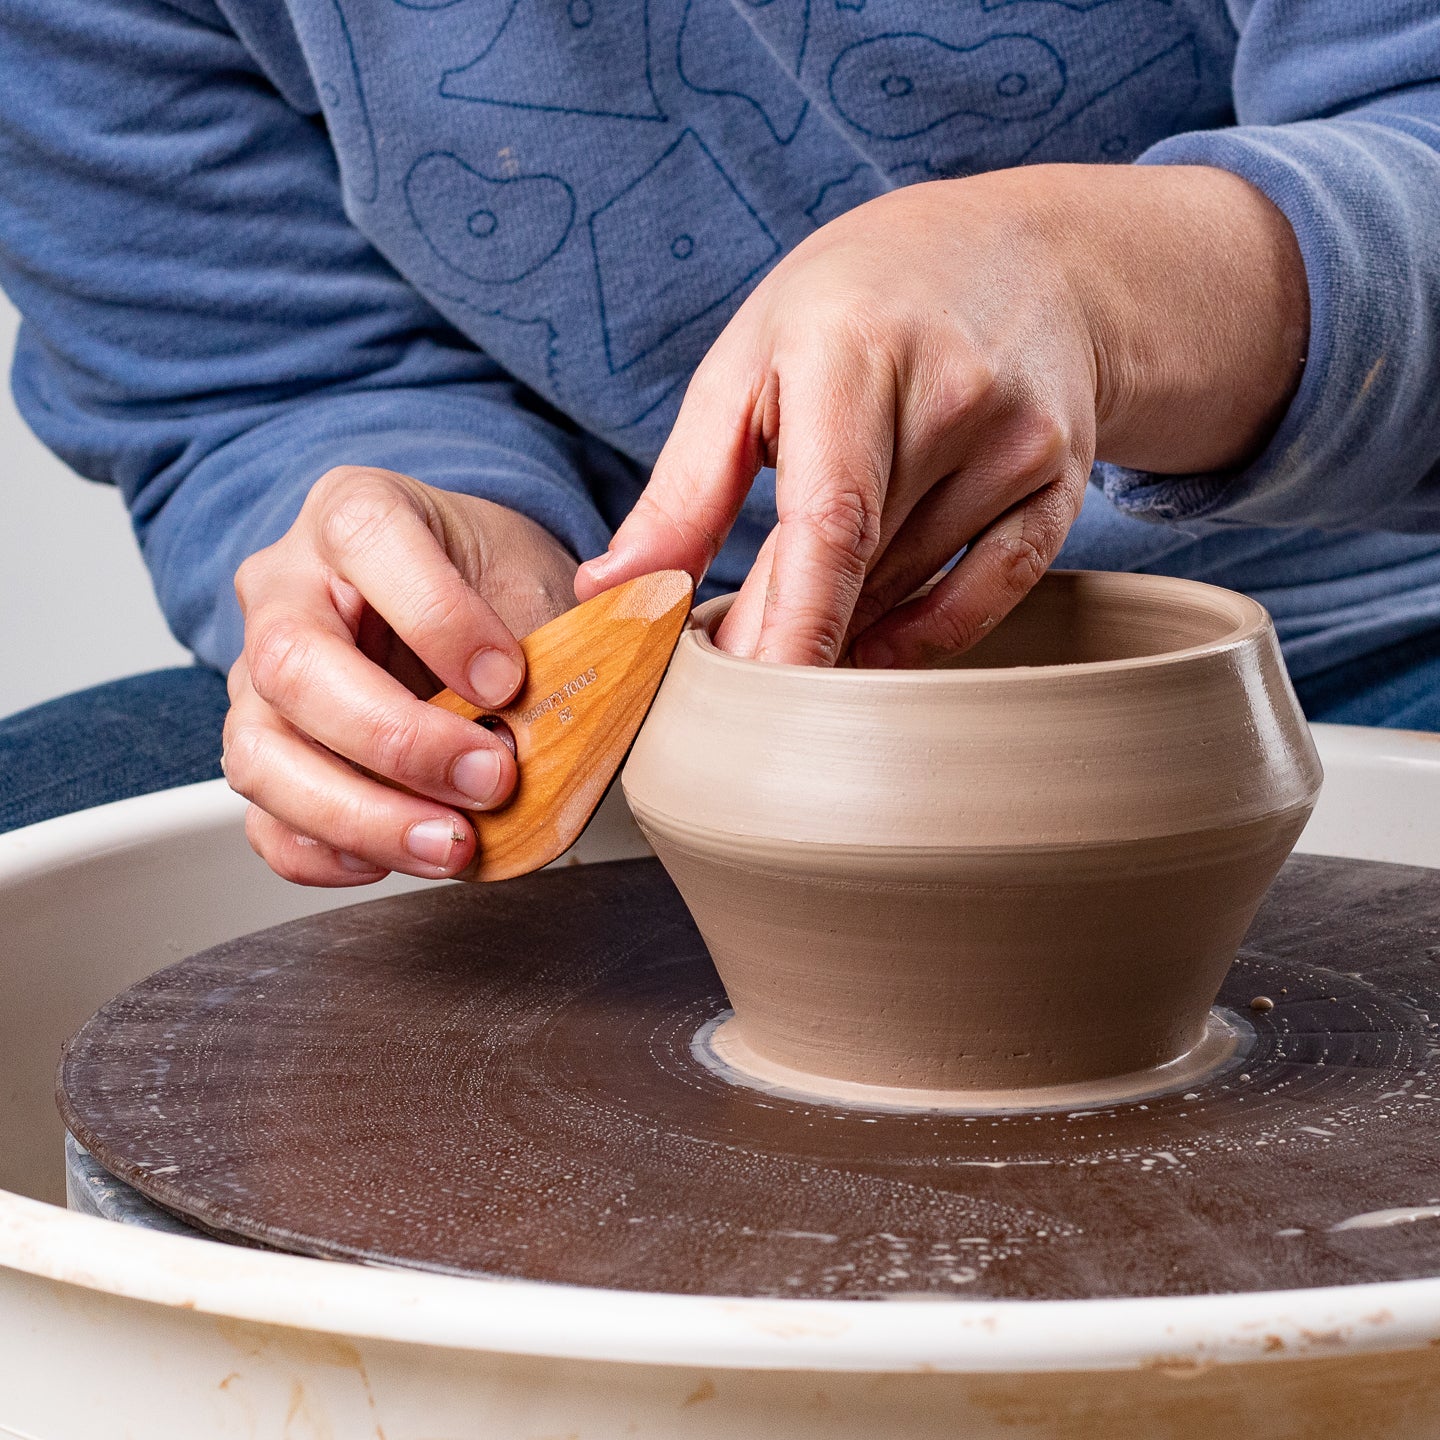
76, 606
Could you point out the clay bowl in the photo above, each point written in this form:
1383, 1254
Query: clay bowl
1027, 871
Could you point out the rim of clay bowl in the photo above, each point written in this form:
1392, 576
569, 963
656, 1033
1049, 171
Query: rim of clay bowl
1250, 619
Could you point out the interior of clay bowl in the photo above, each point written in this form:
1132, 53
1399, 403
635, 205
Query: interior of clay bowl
1090, 618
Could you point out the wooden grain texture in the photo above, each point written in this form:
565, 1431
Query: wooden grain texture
590, 676
501, 1080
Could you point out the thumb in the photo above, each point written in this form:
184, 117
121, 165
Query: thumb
694, 493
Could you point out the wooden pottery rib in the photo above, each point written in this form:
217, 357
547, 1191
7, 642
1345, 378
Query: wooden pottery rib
590, 676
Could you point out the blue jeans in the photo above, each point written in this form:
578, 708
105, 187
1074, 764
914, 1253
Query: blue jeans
126, 738
1397, 688
154, 731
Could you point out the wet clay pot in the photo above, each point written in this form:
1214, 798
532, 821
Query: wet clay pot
1031, 868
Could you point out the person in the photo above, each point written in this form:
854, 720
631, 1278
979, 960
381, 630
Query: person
391, 311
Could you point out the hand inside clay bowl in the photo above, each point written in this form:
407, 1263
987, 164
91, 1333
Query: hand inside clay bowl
1021, 874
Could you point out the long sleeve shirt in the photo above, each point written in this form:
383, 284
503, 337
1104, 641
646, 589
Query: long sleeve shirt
486, 242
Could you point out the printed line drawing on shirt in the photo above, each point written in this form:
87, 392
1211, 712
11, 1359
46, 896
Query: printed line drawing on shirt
1078, 5
495, 230
842, 194
347, 116
605, 75
685, 221
713, 59
671, 391
895, 87
1127, 129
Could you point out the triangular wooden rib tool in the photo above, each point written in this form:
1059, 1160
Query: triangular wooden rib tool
590, 675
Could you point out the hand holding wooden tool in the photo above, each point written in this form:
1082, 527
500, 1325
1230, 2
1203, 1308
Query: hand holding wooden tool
590, 675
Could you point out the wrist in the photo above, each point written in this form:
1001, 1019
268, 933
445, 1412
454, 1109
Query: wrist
1194, 295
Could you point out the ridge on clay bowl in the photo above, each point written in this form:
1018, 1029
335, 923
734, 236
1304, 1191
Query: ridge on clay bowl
1028, 869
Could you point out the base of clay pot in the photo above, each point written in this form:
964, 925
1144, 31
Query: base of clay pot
721, 1046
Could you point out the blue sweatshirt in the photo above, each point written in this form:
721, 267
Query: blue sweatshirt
485, 242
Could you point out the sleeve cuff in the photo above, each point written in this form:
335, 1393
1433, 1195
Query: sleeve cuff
1356, 445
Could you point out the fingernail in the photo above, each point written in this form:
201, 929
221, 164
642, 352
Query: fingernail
494, 677
602, 565
432, 841
357, 865
874, 655
477, 776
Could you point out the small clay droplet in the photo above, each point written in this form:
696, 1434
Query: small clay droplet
1262, 1002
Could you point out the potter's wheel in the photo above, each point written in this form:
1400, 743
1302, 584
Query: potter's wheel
503, 1081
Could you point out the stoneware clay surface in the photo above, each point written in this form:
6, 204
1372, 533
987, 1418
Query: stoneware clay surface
1026, 872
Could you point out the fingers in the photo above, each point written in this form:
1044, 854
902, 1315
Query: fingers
375, 533
699, 482
836, 441
739, 632
302, 859
1001, 566
933, 534
374, 561
1020, 449
324, 688
308, 792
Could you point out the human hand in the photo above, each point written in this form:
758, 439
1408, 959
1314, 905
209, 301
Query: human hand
939, 368
382, 591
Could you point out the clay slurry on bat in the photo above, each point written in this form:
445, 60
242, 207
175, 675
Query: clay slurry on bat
590, 676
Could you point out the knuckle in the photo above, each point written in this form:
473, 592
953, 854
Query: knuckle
1041, 449
278, 656
846, 524
838, 313
697, 527
1054, 510
249, 578
442, 613
358, 512
355, 830
341, 480
396, 742
827, 632
1019, 559
982, 374
964, 387
952, 626
245, 748
814, 615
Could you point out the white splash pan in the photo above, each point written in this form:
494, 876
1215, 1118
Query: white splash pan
110, 1331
